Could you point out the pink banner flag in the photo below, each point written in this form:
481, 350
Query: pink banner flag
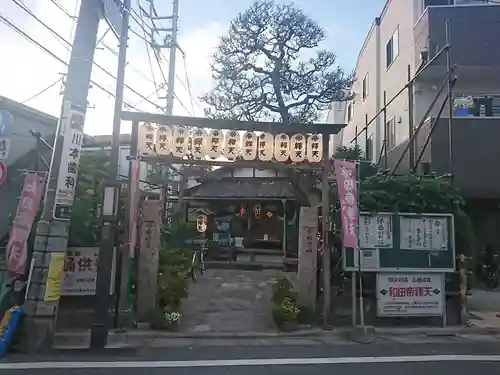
16, 253
134, 204
345, 172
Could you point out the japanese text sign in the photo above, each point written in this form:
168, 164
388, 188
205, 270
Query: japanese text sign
196, 142
410, 294
135, 197
348, 195
17, 248
68, 170
80, 272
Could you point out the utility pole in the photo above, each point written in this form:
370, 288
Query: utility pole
170, 42
51, 239
99, 329
171, 62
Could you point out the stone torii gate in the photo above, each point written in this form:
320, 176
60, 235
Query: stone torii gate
201, 141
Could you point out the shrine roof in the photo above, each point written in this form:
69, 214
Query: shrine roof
243, 188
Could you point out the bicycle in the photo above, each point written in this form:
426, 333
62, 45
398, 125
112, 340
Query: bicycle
197, 263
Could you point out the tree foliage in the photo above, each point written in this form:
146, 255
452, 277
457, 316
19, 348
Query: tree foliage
416, 194
85, 221
259, 74
383, 193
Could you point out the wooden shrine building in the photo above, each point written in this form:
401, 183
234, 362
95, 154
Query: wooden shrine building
256, 208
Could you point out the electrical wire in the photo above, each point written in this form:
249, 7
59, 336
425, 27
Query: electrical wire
188, 83
147, 45
106, 46
33, 41
41, 92
23, 6
158, 53
139, 20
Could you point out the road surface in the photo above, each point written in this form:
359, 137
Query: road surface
376, 359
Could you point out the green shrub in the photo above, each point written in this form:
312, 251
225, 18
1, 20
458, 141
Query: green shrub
283, 289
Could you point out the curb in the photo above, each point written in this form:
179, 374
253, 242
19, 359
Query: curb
152, 335
436, 332
133, 339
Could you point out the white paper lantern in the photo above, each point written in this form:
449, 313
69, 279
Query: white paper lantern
266, 146
315, 148
146, 139
163, 140
233, 142
298, 148
281, 147
199, 138
215, 143
189, 139
179, 142
249, 149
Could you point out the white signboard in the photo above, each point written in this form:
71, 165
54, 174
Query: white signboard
80, 274
68, 170
410, 294
4, 148
370, 259
375, 231
424, 233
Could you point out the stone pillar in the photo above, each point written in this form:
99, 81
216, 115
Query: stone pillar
40, 315
308, 255
149, 243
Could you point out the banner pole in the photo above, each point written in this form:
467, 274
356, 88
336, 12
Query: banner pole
361, 301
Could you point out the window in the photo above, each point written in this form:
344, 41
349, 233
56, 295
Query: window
369, 148
350, 111
392, 48
391, 133
365, 86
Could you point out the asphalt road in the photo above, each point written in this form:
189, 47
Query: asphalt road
377, 359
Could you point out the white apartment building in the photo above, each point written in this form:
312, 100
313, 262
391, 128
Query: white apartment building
391, 52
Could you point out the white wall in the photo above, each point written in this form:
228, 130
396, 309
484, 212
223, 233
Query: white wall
399, 15
366, 66
336, 115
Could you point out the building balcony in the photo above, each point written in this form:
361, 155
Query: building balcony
473, 30
475, 154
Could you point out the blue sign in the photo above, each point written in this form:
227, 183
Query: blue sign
6, 122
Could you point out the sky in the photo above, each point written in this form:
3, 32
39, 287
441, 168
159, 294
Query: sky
26, 70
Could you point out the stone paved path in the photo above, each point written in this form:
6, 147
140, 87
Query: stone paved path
233, 301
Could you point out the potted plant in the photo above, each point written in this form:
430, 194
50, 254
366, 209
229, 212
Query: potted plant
285, 314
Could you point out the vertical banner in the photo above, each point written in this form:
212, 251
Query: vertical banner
68, 169
16, 253
54, 277
134, 204
345, 172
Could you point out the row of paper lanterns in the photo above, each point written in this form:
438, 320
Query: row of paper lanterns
180, 142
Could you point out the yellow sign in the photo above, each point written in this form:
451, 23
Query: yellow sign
54, 278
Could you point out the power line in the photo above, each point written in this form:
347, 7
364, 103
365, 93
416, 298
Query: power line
19, 31
148, 51
23, 6
41, 92
57, 4
142, 25
106, 46
158, 52
188, 83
